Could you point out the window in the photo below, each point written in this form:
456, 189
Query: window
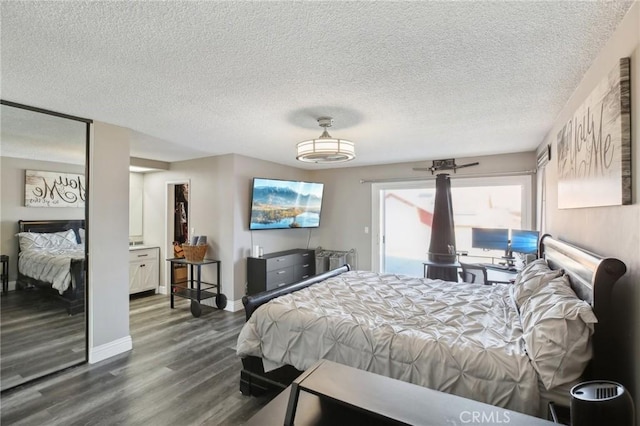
403, 214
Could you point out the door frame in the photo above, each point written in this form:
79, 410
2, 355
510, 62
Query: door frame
170, 186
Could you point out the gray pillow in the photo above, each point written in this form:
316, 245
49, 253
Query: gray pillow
556, 329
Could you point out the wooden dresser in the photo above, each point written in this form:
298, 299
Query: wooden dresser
274, 270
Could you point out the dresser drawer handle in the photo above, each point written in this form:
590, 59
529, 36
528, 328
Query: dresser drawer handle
305, 276
281, 272
281, 259
143, 255
281, 284
305, 266
305, 254
143, 265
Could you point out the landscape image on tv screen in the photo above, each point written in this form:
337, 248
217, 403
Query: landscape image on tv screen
282, 204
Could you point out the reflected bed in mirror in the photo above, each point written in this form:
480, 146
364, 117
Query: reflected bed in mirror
51, 260
42, 329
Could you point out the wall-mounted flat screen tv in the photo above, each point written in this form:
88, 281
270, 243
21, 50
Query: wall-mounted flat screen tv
284, 204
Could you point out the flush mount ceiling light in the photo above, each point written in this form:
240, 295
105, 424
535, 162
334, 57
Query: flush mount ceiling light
326, 149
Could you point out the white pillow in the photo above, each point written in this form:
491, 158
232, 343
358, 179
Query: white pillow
81, 235
557, 328
35, 240
532, 268
534, 275
525, 288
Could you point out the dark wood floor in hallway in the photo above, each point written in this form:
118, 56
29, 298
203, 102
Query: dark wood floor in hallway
181, 371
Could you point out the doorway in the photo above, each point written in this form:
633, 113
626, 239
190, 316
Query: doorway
178, 229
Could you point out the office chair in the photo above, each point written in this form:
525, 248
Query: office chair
472, 273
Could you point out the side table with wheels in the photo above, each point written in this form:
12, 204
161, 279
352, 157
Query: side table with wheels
4, 259
194, 288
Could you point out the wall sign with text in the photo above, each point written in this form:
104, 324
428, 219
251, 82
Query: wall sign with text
53, 189
594, 146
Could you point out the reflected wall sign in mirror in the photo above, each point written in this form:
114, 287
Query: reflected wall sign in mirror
43, 312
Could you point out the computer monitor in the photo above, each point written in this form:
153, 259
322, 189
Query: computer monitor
490, 238
524, 241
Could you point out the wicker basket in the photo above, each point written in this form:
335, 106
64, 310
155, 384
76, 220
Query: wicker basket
194, 253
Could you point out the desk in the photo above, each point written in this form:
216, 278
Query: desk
494, 275
332, 393
426, 264
497, 276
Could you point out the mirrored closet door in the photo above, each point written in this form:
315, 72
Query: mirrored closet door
44, 233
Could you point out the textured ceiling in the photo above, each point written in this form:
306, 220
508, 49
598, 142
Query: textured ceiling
405, 81
29, 134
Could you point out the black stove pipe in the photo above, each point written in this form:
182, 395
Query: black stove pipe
442, 248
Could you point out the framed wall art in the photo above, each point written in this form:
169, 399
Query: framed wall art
53, 189
594, 146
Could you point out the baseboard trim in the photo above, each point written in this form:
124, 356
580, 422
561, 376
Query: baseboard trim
234, 306
102, 352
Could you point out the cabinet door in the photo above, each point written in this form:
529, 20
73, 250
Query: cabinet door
135, 278
143, 276
148, 275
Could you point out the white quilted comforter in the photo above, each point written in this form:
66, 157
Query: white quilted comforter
50, 265
458, 338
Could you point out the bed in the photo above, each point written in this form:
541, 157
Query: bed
51, 258
514, 346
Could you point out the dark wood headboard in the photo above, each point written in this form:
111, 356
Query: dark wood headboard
48, 226
592, 278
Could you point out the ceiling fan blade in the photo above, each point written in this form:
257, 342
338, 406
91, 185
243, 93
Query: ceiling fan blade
467, 165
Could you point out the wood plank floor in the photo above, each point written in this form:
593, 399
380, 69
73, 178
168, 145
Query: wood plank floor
37, 336
181, 371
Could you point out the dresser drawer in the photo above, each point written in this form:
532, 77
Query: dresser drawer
279, 262
143, 254
279, 278
303, 271
306, 256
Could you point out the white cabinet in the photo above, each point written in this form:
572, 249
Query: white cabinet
144, 269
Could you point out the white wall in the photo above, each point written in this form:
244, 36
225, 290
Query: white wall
136, 206
108, 225
610, 231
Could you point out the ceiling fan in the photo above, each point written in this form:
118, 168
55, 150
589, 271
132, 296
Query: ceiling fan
441, 165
